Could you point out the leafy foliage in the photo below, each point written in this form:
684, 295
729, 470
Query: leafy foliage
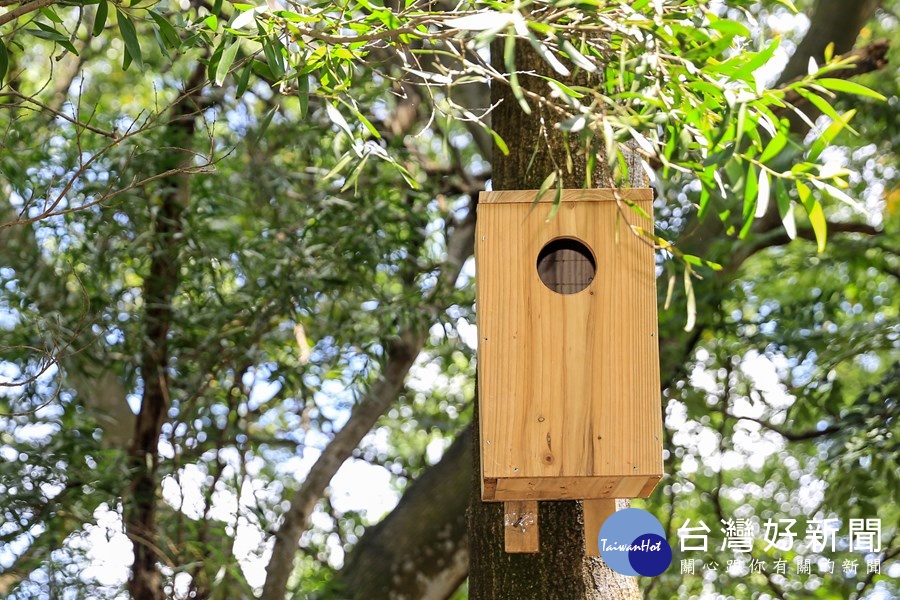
335, 158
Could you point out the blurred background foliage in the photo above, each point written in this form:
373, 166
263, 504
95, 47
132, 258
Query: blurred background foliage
294, 277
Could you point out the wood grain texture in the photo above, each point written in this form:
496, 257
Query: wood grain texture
586, 195
569, 383
567, 488
595, 514
520, 527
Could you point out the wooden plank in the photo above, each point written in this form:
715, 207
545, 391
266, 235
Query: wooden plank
520, 527
564, 488
595, 514
568, 383
649, 486
569, 195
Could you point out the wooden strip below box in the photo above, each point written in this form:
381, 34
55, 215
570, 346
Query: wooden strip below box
568, 488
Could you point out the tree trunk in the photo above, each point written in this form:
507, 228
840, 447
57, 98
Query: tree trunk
420, 549
159, 289
561, 569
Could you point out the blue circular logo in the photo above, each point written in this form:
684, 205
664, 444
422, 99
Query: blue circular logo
632, 542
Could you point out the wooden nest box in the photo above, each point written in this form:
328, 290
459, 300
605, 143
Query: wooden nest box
568, 373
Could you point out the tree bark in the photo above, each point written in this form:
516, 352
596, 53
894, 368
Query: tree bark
158, 291
420, 549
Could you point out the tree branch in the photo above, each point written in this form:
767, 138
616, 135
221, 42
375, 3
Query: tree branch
24, 9
791, 436
401, 353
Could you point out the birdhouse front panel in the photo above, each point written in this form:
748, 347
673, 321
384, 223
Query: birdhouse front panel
568, 353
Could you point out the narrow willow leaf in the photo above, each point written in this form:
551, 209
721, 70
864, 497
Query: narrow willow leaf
499, 141
557, 201
51, 14
750, 192
700, 262
338, 119
509, 59
353, 177
303, 94
829, 134
670, 291
843, 197
213, 66
168, 33
547, 55
273, 57
129, 37
356, 113
816, 214
775, 147
247, 17
226, 61
264, 125
345, 159
100, 18
785, 209
575, 56
244, 81
548, 181
849, 87
691, 300
4, 61
820, 103
762, 203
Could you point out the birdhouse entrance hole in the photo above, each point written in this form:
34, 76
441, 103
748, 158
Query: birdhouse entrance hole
566, 265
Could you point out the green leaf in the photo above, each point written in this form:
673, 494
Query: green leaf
762, 203
227, 60
212, 21
4, 61
273, 57
345, 160
557, 201
575, 56
100, 18
829, 134
168, 33
509, 59
129, 37
785, 209
51, 14
701, 262
213, 66
338, 119
264, 125
849, 87
750, 199
547, 55
303, 94
548, 181
819, 102
775, 146
501, 144
691, 300
356, 113
816, 214
244, 81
